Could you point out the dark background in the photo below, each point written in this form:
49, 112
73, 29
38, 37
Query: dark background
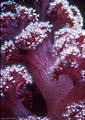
79, 3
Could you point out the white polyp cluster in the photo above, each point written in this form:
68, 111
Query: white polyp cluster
68, 45
75, 111
3, 5
83, 50
78, 19
7, 3
83, 74
67, 42
11, 20
28, 13
22, 11
33, 35
8, 15
6, 19
69, 14
8, 49
53, 4
34, 118
13, 75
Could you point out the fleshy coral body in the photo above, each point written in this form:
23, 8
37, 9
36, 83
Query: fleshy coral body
42, 53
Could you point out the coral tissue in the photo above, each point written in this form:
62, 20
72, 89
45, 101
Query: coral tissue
42, 61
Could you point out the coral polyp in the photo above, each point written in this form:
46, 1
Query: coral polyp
75, 110
42, 61
60, 12
33, 35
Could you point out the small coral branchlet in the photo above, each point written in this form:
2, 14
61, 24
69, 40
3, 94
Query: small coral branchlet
25, 13
33, 35
10, 22
75, 111
61, 12
12, 75
69, 52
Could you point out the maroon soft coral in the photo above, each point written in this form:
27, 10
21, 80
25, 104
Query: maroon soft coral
43, 53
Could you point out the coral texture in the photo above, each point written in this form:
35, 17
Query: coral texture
42, 61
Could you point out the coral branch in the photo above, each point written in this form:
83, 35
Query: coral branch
42, 61
11, 79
